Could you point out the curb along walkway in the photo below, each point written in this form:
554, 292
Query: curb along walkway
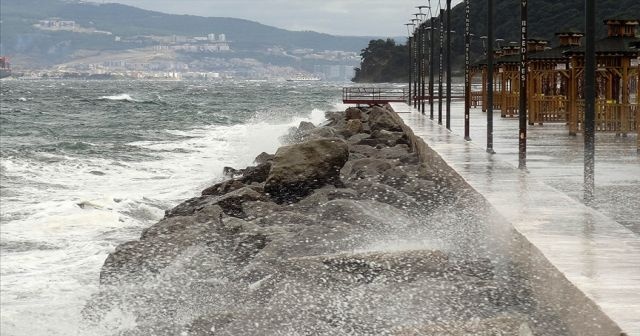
595, 253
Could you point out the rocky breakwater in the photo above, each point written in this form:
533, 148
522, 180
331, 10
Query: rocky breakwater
350, 229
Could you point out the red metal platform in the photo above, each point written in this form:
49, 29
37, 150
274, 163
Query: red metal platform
374, 95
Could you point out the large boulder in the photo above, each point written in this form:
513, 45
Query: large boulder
383, 119
256, 174
353, 113
299, 169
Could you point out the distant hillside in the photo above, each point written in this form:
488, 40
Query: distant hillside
19, 36
546, 17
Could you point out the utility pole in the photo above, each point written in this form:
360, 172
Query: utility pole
522, 142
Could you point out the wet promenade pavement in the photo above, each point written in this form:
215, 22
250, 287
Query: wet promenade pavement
597, 249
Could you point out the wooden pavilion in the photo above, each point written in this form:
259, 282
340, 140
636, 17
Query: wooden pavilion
509, 75
616, 80
549, 81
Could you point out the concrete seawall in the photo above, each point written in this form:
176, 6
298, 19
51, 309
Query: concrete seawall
587, 266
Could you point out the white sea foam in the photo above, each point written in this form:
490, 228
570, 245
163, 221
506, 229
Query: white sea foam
80, 209
119, 97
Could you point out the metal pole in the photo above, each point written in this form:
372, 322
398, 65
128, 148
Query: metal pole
448, 120
410, 47
432, 66
524, 27
467, 64
418, 64
423, 63
416, 37
590, 100
441, 64
491, 13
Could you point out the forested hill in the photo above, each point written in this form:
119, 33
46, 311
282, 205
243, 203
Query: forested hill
546, 17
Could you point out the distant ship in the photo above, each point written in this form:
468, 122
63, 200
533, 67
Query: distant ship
5, 68
302, 78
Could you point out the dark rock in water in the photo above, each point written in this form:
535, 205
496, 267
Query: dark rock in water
305, 126
353, 113
263, 158
298, 169
257, 174
98, 173
383, 119
156, 249
232, 172
223, 188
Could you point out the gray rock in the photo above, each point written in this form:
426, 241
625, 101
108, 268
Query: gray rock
256, 174
231, 172
336, 119
223, 188
353, 127
383, 119
353, 113
231, 203
357, 138
366, 168
299, 169
305, 126
319, 133
263, 158
390, 138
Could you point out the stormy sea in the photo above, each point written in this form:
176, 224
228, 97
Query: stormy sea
86, 165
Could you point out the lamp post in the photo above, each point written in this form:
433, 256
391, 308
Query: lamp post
467, 64
522, 116
416, 39
440, 63
423, 59
491, 14
419, 60
410, 48
589, 100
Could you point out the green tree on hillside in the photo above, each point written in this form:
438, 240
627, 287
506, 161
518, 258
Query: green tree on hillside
383, 61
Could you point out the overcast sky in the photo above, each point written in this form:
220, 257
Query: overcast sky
339, 17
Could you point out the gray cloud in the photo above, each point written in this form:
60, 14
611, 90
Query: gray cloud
340, 17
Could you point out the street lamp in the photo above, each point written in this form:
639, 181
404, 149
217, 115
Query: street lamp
416, 38
410, 48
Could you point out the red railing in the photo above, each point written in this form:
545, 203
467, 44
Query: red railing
374, 95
